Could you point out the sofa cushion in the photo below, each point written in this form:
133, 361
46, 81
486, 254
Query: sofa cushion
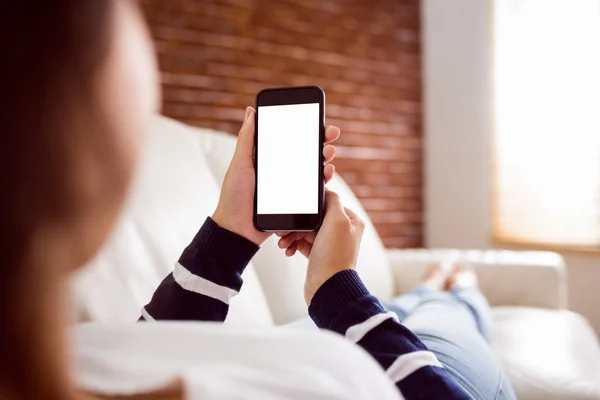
282, 277
172, 194
547, 354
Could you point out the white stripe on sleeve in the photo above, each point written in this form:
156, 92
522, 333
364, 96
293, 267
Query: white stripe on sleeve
358, 331
147, 316
197, 284
406, 364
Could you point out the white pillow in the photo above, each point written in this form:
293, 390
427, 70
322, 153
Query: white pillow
172, 194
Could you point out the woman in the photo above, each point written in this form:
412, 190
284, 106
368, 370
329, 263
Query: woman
80, 84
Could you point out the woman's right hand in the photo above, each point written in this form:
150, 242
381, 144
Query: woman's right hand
331, 250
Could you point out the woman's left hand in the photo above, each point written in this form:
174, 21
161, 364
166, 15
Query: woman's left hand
236, 203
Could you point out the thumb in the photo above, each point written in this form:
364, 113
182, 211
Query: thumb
244, 150
333, 205
357, 223
351, 214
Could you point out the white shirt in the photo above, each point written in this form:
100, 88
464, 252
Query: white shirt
216, 361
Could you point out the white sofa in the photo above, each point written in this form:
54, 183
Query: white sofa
548, 352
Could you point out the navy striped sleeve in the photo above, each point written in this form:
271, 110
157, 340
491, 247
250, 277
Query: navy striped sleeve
344, 305
206, 277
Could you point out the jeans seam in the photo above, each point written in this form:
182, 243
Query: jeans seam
499, 391
473, 310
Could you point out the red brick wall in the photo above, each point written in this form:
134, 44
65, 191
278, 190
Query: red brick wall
216, 55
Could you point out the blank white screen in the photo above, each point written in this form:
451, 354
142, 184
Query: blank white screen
288, 159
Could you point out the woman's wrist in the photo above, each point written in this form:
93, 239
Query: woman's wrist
246, 230
232, 250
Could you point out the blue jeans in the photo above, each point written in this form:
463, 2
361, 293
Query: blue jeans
456, 327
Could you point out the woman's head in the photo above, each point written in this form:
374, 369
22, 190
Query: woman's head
79, 84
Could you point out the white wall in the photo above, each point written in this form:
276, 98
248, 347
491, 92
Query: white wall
458, 132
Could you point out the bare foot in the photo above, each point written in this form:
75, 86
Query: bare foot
435, 278
462, 276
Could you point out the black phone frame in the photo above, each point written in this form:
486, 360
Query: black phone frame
286, 96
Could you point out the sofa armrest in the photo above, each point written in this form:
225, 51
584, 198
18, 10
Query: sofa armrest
507, 278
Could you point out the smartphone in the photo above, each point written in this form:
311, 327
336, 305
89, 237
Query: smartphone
288, 146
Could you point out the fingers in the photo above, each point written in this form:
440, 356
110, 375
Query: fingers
290, 251
328, 153
244, 149
328, 169
297, 242
328, 172
309, 237
305, 248
287, 240
302, 246
332, 133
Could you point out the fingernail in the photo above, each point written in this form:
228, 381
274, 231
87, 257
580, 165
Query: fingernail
248, 112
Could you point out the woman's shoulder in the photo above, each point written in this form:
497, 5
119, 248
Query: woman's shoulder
224, 359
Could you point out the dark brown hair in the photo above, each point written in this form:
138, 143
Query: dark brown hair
51, 51
52, 142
